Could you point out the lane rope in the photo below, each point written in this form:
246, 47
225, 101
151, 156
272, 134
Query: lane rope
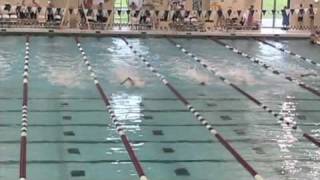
198, 116
116, 122
313, 90
308, 60
216, 73
24, 120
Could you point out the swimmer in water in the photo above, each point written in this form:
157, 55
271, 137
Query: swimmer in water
315, 38
202, 83
308, 74
128, 79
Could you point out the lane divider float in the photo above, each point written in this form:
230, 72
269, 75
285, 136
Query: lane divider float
310, 61
24, 120
116, 122
198, 116
303, 85
215, 72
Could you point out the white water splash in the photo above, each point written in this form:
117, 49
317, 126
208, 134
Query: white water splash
128, 111
196, 76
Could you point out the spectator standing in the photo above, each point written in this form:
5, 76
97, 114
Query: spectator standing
300, 16
133, 6
285, 18
220, 18
311, 16
250, 16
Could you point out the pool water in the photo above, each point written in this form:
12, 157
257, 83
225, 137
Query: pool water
71, 135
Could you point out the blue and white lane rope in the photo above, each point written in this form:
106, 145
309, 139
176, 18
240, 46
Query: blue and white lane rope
116, 122
308, 60
303, 85
215, 72
24, 120
198, 116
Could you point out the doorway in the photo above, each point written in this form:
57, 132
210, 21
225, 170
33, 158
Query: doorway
120, 11
272, 16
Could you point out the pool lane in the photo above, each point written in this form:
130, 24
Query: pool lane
115, 121
260, 85
172, 72
178, 138
198, 116
11, 70
309, 51
267, 66
10, 61
11, 66
217, 73
288, 64
298, 56
287, 121
57, 74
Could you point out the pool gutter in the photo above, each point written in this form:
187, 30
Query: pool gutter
135, 33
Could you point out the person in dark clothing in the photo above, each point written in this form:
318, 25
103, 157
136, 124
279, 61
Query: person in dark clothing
33, 13
250, 16
311, 16
315, 38
300, 16
143, 17
220, 18
50, 15
101, 18
285, 18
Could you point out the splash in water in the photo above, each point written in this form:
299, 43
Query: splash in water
192, 73
197, 76
239, 75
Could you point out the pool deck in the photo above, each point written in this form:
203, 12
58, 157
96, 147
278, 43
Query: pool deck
266, 32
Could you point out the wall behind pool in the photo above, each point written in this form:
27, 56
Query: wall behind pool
206, 4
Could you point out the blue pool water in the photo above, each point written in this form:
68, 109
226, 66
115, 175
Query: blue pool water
70, 129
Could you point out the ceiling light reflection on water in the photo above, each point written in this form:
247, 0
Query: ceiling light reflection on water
287, 138
292, 167
129, 113
118, 63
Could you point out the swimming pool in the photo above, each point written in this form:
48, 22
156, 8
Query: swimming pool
244, 93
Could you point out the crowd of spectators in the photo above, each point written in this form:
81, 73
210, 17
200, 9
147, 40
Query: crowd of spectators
178, 18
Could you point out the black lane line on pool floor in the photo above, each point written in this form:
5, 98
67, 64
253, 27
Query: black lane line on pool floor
243, 140
215, 72
111, 112
148, 99
153, 99
24, 120
157, 161
100, 125
303, 85
198, 116
308, 60
157, 111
